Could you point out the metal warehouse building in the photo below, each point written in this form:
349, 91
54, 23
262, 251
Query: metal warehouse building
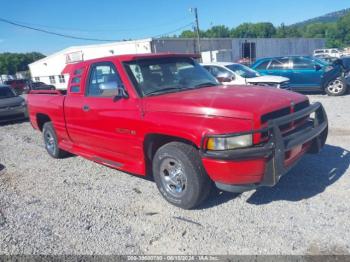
49, 69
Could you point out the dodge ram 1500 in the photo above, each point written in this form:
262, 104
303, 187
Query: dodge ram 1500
164, 115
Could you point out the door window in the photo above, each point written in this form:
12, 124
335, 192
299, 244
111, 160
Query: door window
279, 64
263, 65
303, 63
219, 71
103, 80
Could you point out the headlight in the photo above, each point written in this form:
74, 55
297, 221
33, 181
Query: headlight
23, 103
227, 143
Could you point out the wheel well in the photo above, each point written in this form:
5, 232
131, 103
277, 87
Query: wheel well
41, 119
154, 141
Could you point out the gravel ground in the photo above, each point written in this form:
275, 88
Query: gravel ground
75, 206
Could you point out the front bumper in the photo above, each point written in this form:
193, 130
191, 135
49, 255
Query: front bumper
309, 137
13, 113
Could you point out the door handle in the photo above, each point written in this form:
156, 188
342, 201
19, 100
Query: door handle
86, 108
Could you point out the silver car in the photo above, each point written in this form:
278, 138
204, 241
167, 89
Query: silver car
12, 106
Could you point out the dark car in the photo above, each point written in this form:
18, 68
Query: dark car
305, 73
344, 62
20, 86
12, 106
41, 86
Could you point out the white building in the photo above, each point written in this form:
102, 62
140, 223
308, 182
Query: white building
48, 69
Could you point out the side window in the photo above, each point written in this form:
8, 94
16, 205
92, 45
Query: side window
263, 65
303, 63
103, 80
279, 64
219, 71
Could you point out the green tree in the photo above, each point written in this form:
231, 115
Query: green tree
245, 30
11, 63
264, 30
187, 34
218, 31
343, 27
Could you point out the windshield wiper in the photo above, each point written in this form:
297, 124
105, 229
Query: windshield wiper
206, 84
164, 90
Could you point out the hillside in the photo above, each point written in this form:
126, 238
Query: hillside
327, 18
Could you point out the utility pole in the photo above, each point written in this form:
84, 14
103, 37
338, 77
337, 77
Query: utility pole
195, 11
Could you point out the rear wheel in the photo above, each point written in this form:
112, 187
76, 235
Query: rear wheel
51, 142
180, 175
336, 87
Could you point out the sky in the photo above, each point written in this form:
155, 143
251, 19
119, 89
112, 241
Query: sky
137, 19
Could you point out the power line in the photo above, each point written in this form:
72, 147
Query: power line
82, 38
174, 31
110, 28
55, 33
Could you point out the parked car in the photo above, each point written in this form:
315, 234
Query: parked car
164, 115
237, 74
327, 58
332, 52
12, 106
245, 61
305, 73
20, 86
41, 86
344, 62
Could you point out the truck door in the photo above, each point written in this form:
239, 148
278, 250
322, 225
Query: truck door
106, 128
305, 74
280, 67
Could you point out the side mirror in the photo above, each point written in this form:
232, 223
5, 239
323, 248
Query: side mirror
225, 78
120, 93
112, 89
318, 67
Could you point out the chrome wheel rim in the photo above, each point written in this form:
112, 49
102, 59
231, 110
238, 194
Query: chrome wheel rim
49, 142
336, 86
173, 177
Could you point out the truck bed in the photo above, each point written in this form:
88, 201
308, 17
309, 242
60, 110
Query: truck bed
47, 102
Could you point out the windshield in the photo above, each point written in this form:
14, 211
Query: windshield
6, 92
243, 71
164, 75
321, 62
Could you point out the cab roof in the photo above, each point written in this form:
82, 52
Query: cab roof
125, 58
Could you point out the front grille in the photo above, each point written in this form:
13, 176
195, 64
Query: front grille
283, 112
284, 85
275, 114
9, 107
301, 106
12, 117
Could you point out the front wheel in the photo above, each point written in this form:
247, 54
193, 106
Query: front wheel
336, 87
180, 175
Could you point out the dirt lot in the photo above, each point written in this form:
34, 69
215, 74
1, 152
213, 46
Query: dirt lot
74, 206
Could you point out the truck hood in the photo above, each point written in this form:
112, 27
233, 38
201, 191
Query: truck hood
267, 79
225, 101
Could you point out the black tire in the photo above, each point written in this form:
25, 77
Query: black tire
336, 87
51, 142
180, 175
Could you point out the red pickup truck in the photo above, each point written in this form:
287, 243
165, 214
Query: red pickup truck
165, 115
